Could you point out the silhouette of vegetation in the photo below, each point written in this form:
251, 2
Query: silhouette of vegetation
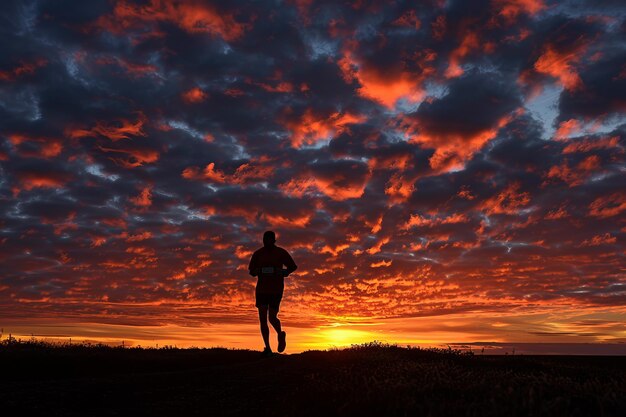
375, 378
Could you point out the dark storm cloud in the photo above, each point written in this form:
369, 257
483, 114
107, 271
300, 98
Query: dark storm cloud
607, 7
474, 103
323, 81
521, 145
603, 89
396, 150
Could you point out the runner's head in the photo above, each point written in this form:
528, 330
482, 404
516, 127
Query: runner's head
269, 238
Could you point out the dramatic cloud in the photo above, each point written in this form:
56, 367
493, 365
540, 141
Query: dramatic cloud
453, 170
468, 116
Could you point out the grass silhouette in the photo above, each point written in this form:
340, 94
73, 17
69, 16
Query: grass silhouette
40, 378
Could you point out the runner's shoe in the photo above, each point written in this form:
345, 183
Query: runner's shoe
282, 341
267, 352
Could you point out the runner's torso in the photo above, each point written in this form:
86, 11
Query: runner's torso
270, 261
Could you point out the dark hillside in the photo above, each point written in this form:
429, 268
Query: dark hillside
40, 379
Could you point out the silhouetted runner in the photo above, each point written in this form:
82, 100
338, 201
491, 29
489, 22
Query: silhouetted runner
267, 265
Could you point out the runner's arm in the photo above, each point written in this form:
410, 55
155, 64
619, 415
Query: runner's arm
289, 263
253, 268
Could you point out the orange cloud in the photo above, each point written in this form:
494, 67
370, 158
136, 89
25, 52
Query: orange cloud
408, 19
61, 226
311, 128
191, 15
246, 173
234, 92
98, 241
114, 222
509, 201
30, 180
377, 247
336, 250
375, 227
465, 193
382, 263
590, 163
135, 70
389, 91
567, 128
556, 214
287, 221
453, 149
136, 156
415, 220
438, 27
587, 145
139, 237
469, 42
195, 95
46, 147
399, 188
243, 253
574, 176
598, 240
386, 86
334, 187
144, 199
25, 68
559, 64
123, 130
141, 250
280, 87
510, 9
209, 173
252, 172
608, 206
397, 162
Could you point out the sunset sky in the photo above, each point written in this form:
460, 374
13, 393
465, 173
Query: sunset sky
442, 172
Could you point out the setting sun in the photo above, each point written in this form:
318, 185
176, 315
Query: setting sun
340, 336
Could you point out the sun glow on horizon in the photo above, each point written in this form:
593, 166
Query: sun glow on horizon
548, 327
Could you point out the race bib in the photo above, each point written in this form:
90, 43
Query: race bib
267, 270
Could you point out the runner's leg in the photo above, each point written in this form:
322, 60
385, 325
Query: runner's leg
274, 320
282, 341
265, 330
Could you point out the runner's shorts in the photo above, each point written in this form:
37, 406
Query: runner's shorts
269, 299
